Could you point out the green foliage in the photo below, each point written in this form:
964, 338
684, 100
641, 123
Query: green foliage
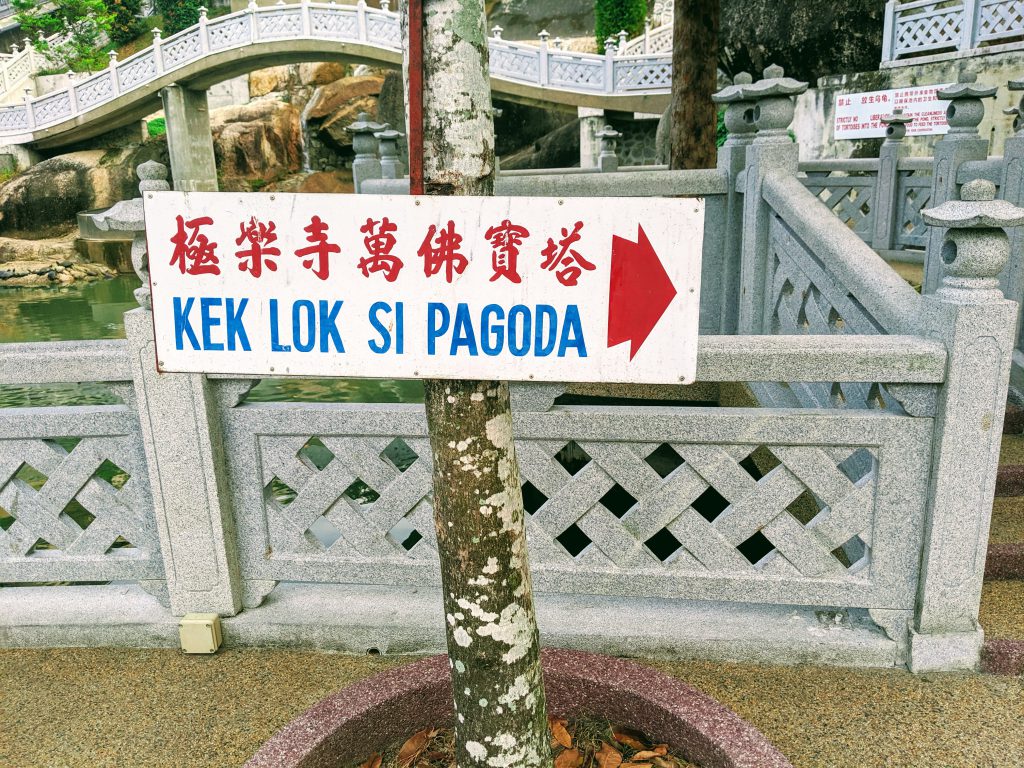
157, 127
126, 24
81, 24
612, 16
178, 14
721, 132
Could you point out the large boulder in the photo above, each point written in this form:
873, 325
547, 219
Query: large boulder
269, 80
44, 201
260, 141
558, 149
321, 72
335, 107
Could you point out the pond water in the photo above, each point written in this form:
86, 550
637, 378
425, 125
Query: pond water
95, 311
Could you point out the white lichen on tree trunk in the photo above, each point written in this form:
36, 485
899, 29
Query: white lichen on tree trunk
493, 647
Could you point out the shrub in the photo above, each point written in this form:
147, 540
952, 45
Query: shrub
82, 25
157, 127
178, 14
612, 16
126, 24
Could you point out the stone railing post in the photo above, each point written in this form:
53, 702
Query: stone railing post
887, 205
361, 19
968, 313
158, 54
72, 93
609, 65
114, 80
1011, 189
182, 438
390, 163
772, 150
889, 25
608, 161
542, 68
723, 216
969, 25
366, 164
963, 143
204, 31
30, 112
252, 9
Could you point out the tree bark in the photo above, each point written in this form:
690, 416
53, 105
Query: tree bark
493, 645
693, 116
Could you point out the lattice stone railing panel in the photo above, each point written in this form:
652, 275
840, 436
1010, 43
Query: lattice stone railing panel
1000, 20
642, 74
914, 192
328, 23
752, 505
181, 49
848, 197
286, 22
14, 118
514, 63
925, 26
383, 29
94, 90
574, 71
75, 503
226, 33
137, 70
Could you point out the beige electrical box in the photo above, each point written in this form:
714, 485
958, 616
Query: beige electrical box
200, 632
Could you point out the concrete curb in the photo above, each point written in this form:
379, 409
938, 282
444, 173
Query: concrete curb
1003, 656
1005, 561
1010, 480
386, 708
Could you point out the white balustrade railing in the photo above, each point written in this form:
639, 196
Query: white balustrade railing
933, 26
538, 65
19, 65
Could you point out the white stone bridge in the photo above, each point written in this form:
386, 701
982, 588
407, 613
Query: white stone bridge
217, 49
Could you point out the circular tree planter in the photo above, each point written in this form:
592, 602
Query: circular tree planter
387, 708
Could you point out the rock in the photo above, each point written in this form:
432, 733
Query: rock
661, 147
558, 149
43, 201
334, 130
269, 80
260, 140
391, 102
330, 98
60, 251
321, 72
29, 273
328, 181
519, 125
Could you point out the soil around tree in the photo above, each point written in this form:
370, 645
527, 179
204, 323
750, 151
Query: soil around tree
586, 742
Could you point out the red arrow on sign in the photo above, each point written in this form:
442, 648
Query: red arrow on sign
639, 292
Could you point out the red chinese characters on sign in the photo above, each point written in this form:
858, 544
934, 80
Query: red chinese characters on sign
565, 261
194, 253
440, 248
259, 254
320, 250
505, 241
379, 242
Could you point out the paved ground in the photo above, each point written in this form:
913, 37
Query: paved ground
100, 707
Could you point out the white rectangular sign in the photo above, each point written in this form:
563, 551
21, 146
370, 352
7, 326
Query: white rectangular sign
859, 115
514, 288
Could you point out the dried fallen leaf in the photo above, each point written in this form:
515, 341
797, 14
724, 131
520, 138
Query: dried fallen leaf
629, 738
608, 756
570, 758
558, 730
373, 761
414, 746
638, 765
645, 754
662, 762
660, 749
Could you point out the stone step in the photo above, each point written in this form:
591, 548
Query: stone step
1006, 539
1002, 618
1013, 423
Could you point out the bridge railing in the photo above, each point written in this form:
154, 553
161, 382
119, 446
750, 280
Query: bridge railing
923, 27
837, 453
377, 28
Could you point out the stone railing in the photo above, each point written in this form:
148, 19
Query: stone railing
18, 67
927, 27
850, 474
542, 66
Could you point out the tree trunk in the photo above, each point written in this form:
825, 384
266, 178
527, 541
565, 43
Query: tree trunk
491, 625
694, 117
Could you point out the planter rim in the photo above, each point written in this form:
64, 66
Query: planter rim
398, 700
